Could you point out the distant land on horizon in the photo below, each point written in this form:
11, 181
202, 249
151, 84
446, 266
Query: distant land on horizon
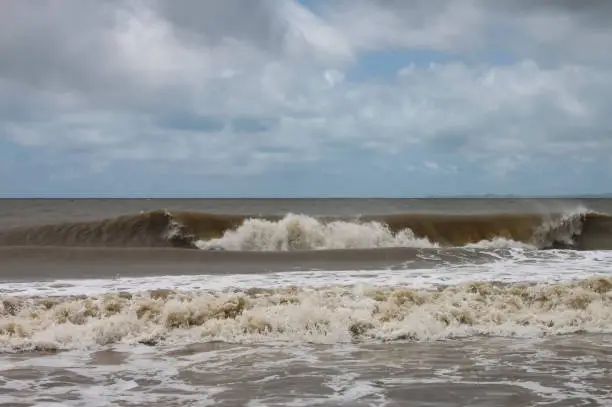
181, 196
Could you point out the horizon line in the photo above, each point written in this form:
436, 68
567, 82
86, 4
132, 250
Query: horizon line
275, 196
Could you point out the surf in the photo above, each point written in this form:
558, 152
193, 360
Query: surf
579, 229
331, 314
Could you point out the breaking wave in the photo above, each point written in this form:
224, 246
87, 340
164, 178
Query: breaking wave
300, 232
329, 314
580, 230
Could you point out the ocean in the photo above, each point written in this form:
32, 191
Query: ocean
306, 302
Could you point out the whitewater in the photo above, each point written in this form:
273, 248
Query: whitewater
182, 306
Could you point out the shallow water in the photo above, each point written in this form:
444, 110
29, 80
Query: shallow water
570, 370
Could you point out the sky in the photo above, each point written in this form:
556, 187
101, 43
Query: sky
305, 98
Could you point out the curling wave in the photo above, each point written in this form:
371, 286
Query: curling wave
328, 314
580, 230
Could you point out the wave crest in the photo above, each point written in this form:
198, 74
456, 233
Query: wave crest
579, 229
301, 232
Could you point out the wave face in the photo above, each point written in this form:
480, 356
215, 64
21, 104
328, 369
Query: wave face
152, 229
580, 230
329, 314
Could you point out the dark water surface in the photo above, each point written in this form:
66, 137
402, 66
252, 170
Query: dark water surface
22, 212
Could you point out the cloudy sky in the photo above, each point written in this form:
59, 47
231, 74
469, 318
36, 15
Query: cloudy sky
303, 98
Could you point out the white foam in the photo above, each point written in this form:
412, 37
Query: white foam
499, 243
518, 265
331, 314
300, 232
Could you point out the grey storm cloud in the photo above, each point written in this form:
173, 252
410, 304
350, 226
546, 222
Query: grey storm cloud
57, 44
550, 30
208, 21
595, 9
72, 43
193, 79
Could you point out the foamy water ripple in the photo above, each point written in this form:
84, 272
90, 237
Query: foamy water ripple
504, 372
452, 334
514, 265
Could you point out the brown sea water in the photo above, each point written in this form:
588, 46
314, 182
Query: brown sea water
331, 302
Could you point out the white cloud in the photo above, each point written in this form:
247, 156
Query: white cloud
243, 87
